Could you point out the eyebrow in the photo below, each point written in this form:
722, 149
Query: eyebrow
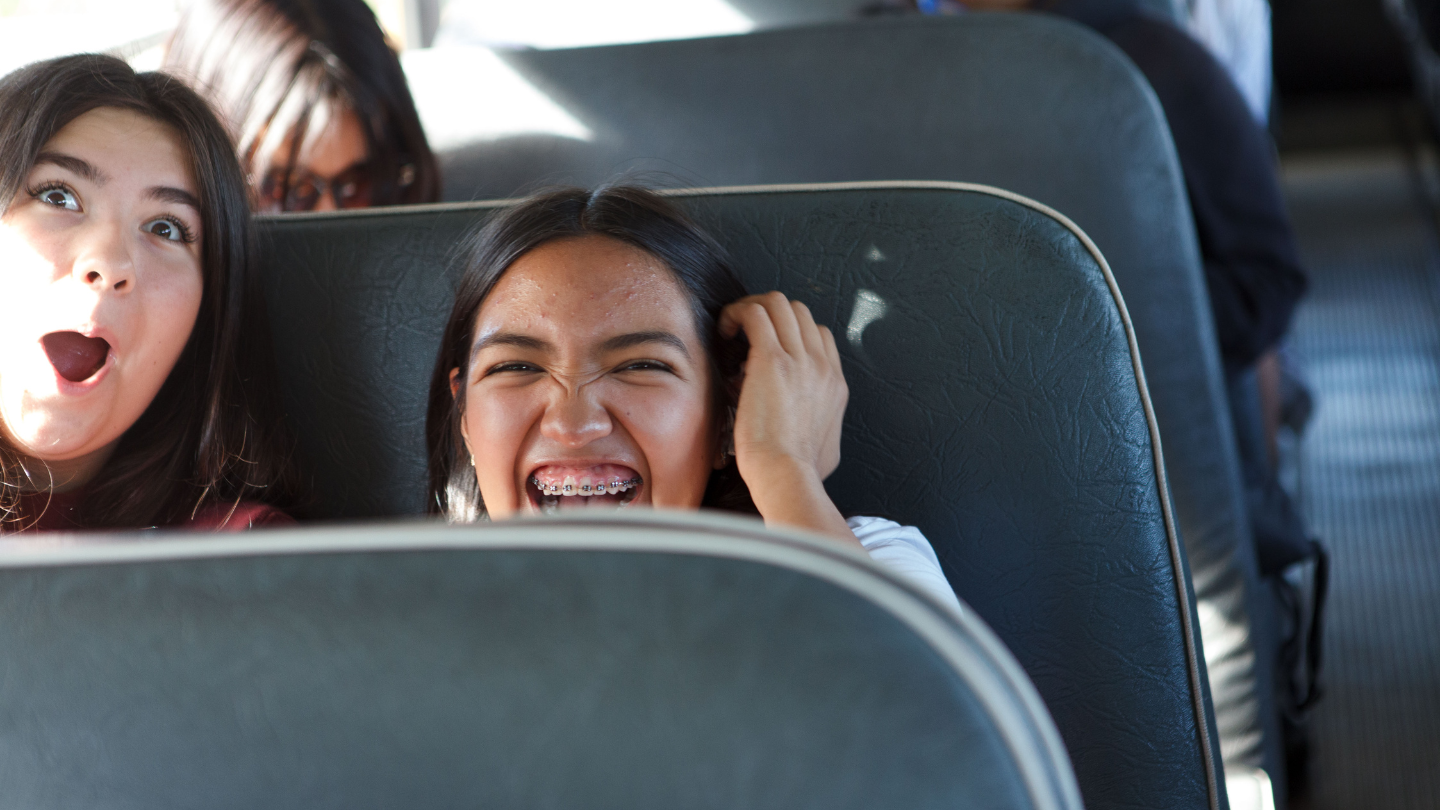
638, 338
170, 194
88, 171
616, 343
508, 339
71, 163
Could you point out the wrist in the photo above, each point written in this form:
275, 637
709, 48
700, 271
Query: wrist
778, 478
787, 491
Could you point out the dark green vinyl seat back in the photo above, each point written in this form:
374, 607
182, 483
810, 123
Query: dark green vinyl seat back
995, 403
1029, 103
1026, 102
557, 665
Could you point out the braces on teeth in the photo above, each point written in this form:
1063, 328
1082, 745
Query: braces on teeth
613, 488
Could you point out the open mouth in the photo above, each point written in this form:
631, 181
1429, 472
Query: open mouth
555, 488
75, 357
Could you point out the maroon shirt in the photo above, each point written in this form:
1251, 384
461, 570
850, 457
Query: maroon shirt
56, 514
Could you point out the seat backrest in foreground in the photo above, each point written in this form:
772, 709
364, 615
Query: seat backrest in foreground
645, 662
994, 403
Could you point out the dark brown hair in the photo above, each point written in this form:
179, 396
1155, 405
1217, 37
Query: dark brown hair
631, 214
208, 437
268, 66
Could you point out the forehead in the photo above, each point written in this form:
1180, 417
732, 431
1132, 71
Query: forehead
586, 287
127, 147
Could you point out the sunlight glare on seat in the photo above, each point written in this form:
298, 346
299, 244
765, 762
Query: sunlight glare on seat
467, 95
869, 308
107, 28
576, 23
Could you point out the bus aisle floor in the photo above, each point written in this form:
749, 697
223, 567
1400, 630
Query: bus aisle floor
1368, 467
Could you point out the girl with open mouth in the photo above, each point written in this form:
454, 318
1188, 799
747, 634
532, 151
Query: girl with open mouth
125, 400
601, 353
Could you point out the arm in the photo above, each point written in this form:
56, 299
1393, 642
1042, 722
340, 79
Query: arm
787, 421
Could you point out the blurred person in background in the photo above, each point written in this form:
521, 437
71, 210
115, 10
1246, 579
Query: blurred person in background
1252, 271
1251, 262
315, 99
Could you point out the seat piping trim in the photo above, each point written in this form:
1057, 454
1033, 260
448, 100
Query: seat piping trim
1177, 559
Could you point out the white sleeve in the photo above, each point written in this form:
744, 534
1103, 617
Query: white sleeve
905, 551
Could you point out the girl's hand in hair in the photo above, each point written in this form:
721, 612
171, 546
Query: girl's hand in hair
787, 421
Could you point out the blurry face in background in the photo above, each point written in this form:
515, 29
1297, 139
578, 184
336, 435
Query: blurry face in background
100, 285
330, 171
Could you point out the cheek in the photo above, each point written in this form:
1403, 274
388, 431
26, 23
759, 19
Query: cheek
172, 305
26, 276
496, 424
673, 429
168, 306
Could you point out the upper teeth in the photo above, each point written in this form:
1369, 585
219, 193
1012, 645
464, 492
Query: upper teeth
569, 487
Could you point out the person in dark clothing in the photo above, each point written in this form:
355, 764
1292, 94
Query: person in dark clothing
1255, 280
1252, 267
1251, 263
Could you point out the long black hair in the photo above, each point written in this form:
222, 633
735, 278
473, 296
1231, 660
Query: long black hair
270, 67
632, 214
209, 436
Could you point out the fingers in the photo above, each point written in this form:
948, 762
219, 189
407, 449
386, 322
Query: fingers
790, 322
749, 316
831, 351
809, 331
791, 404
772, 307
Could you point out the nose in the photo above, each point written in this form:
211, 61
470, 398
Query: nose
326, 201
575, 417
104, 261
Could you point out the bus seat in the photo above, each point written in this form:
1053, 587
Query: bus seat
783, 13
649, 661
995, 403
1026, 102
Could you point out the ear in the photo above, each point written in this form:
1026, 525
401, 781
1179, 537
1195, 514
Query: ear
455, 395
724, 438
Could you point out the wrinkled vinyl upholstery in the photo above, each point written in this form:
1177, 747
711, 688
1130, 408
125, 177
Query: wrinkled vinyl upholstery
994, 403
1029, 103
561, 665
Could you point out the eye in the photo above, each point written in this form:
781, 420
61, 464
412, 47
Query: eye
58, 196
513, 366
171, 230
645, 365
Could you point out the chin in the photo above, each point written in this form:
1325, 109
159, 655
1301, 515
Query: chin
68, 440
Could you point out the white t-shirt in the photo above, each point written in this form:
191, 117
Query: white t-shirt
905, 551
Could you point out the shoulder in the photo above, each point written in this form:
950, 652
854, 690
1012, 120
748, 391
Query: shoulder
903, 550
882, 537
1195, 90
880, 529
236, 517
